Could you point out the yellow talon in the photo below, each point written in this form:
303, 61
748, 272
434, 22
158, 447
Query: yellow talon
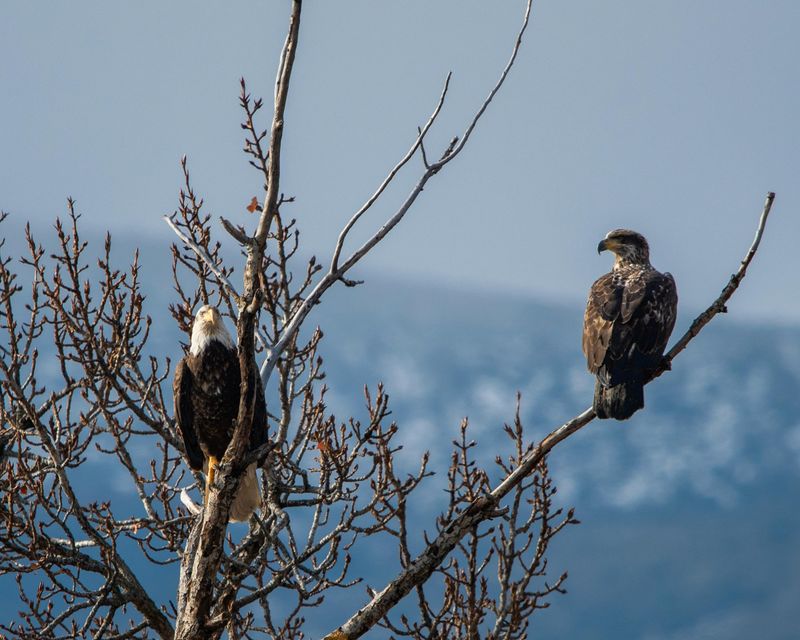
212, 472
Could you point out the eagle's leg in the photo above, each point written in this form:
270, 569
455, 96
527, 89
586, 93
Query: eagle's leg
212, 473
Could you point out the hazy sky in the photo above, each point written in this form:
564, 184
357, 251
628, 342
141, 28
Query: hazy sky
673, 118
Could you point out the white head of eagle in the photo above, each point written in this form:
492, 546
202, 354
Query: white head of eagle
208, 325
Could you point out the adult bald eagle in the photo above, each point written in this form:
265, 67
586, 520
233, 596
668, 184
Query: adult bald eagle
206, 394
629, 318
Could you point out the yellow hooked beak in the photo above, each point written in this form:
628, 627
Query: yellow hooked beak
210, 316
609, 244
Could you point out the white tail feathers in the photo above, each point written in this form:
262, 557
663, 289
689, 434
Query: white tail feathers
248, 496
246, 501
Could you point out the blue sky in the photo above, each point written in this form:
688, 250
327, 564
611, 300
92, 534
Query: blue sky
673, 118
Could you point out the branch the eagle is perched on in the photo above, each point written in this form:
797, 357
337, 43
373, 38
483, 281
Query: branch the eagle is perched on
629, 317
206, 393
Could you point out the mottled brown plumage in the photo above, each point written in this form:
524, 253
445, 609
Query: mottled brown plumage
629, 317
206, 395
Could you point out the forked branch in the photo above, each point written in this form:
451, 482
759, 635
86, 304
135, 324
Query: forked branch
337, 271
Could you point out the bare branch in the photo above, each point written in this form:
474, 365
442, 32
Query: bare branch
418, 144
336, 271
484, 506
221, 277
276, 132
456, 146
718, 306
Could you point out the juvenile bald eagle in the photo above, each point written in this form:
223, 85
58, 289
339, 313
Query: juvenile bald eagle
629, 317
206, 394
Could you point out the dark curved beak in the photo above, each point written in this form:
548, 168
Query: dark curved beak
602, 247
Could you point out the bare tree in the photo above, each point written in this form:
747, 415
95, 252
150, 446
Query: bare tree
327, 485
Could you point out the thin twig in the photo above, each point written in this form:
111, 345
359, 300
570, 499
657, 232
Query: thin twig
221, 277
418, 144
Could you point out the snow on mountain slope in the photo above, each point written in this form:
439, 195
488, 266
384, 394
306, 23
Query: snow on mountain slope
725, 417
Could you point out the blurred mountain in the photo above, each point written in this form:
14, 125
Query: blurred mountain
690, 527
725, 419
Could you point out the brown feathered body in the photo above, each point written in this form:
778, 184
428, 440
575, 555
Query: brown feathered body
206, 395
629, 317
207, 403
